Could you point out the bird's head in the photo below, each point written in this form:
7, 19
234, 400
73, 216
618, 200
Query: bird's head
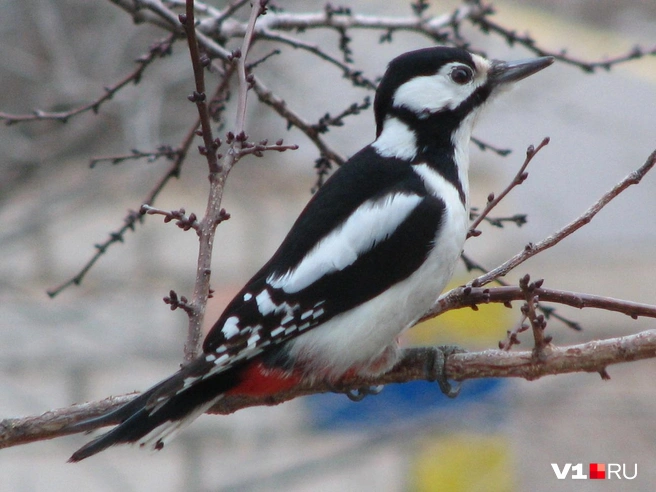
437, 90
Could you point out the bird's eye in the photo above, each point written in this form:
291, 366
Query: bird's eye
462, 75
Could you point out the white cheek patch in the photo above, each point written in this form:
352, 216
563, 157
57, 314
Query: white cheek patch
371, 223
433, 93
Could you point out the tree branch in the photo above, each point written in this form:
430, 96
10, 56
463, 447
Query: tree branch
473, 296
593, 356
218, 175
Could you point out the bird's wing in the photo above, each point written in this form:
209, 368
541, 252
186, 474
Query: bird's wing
334, 258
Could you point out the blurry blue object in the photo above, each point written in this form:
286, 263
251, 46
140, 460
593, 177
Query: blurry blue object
395, 402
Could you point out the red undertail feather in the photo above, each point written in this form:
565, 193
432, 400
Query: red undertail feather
259, 380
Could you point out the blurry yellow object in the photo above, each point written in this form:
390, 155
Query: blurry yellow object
466, 327
463, 463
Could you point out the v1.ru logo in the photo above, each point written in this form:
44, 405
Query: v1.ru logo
598, 471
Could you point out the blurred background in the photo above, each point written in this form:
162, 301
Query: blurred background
113, 334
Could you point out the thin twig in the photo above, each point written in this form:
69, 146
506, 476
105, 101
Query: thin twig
162, 151
355, 76
471, 296
520, 177
293, 118
481, 18
158, 50
512, 336
244, 84
549, 312
529, 310
133, 218
199, 97
182, 220
487, 146
532, 249
326, 121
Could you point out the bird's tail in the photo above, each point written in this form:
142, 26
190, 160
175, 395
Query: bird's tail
157, 415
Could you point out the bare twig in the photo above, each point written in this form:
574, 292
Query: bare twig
258, 9
537, 321
162, 151
512, 337
326, 121
549, 312
532, 249
258, 149
180, 302
517, 219
183, 221
487, 146
129, 223
156, 51
355, 76
481, 18
471, 296
214, 214
133, 218
520, 177
198, 96
282, 108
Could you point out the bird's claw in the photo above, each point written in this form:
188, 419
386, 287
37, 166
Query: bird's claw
436, 369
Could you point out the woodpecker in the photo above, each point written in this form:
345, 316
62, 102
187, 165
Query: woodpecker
367, 257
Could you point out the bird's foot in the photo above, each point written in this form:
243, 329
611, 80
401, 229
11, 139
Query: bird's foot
357, 394
435, 369
360, 393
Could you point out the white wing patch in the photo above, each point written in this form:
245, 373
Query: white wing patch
371, 223
230, 328
264, 303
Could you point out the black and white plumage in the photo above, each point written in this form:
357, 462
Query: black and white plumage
369, 254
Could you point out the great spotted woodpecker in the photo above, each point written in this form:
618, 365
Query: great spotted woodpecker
369, 254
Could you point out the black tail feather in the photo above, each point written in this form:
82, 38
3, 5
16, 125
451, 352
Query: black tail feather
171, 404
115, 416
119, 434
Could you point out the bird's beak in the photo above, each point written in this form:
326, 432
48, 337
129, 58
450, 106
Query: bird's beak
503, 72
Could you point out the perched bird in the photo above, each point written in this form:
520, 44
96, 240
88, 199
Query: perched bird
369, 254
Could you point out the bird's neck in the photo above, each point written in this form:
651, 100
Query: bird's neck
440, 144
